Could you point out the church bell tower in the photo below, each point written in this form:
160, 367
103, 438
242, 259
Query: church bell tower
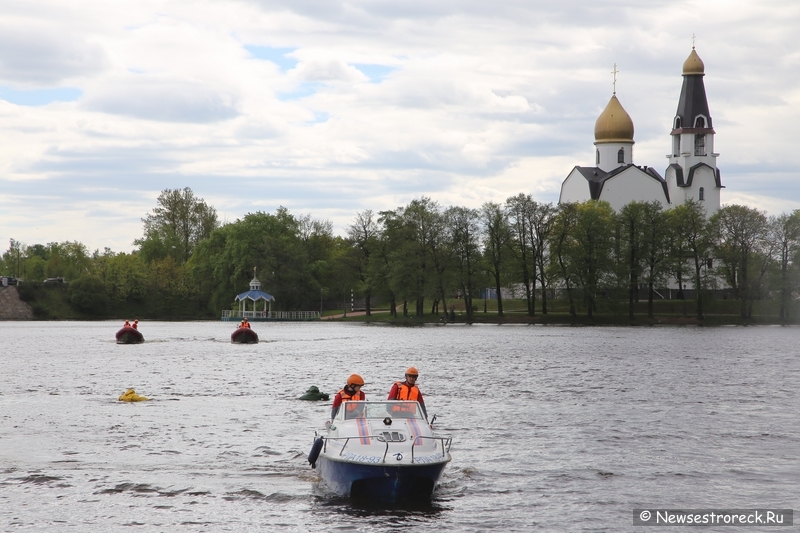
692, 172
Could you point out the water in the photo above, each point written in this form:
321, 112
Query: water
554, 428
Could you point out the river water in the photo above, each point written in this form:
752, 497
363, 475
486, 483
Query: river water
554, 428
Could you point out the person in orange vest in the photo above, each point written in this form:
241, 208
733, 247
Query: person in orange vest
246, 323
408, 390
127, 324
351, 391
136, 323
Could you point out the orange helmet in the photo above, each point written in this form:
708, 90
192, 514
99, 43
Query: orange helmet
412, 371
355, 379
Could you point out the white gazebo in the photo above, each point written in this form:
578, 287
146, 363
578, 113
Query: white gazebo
255, 295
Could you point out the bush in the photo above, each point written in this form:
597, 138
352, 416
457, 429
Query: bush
28, 291
88, 295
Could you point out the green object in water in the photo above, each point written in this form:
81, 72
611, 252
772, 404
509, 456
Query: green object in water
313, 394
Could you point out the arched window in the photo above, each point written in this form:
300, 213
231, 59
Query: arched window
597, 157
677, 123
700, 144
700, 122
702, 194
621, 155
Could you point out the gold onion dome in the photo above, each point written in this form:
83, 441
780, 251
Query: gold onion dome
693, 64
614, 124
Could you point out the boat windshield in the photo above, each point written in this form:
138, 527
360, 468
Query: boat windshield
380, 410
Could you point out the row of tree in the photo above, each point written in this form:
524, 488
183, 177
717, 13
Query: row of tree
188, 264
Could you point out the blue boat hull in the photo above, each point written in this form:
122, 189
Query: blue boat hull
381, 482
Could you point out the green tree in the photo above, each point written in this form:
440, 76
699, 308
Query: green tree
540, 224
520, 212
464, 234
592, 250
497, 238
275, 246
785, 234
87, 295
656, 237
363, 235
176, 225
562, 243
692, 242
412, 232
631, 220
741, 234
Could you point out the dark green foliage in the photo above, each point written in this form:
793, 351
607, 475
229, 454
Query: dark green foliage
28, 291
88, 295
584, 257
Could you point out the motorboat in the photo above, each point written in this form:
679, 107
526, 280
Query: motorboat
244, 336
129, 335
384, 451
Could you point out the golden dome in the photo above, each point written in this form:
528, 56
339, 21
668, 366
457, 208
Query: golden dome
614, 124
693, 64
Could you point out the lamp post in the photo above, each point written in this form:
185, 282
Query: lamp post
485, 294
320, 301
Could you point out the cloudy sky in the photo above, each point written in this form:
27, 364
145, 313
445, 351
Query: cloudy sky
329, 108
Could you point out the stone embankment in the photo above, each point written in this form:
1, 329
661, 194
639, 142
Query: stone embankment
11, 307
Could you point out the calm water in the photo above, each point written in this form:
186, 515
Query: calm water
554, 428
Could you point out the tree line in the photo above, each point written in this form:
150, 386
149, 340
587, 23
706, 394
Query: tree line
424, 258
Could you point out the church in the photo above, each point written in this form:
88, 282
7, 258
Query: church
692, 172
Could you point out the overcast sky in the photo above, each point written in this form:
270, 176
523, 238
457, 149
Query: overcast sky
329, 108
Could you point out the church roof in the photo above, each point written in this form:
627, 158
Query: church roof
693, 102
598, 177
614, 124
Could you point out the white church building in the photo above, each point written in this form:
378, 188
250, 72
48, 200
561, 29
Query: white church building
692, 172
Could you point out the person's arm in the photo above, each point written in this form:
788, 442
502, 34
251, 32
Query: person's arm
393, 392
337, 401
422, 404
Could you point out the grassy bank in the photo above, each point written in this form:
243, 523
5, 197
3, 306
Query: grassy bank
665, 312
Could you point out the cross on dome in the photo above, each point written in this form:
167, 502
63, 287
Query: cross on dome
614, 72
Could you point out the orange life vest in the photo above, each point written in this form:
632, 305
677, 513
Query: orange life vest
404, 392
346, 396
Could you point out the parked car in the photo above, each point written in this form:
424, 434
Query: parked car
8, 280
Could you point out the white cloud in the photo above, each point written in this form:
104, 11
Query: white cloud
161, 98
331, 108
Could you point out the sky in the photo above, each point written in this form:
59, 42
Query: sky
330, 108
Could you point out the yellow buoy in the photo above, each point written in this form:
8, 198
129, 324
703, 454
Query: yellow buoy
131, 396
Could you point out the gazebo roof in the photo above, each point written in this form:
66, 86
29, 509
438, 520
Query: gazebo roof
255, 295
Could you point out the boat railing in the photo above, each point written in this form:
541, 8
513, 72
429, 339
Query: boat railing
445, 442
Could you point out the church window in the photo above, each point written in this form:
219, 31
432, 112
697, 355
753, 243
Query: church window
699, 144
676, 145
597, 157
677, 123
700, 122
702, 194
621, 155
